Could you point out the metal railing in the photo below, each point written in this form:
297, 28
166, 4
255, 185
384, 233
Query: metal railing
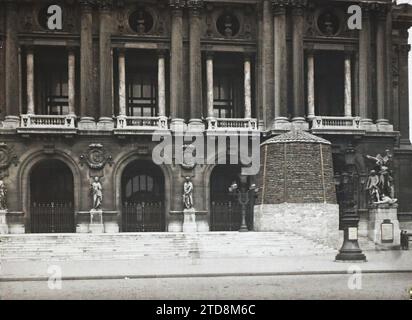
52, 217
143, 217
232, 123
48, 121
138, 123
336, 123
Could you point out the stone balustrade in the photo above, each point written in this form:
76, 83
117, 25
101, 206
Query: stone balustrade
31, 121
336, 123
232, 124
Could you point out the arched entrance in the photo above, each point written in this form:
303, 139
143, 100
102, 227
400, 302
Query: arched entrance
51, 198
225, 210
143, 198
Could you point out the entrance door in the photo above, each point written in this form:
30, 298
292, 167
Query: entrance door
225, 208
143, 198
51, 198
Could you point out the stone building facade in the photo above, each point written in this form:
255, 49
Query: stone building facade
84, 101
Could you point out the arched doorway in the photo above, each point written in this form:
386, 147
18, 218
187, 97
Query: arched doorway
143, 195
51, 198
225, 210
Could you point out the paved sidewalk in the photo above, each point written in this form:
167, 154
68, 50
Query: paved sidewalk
378, 261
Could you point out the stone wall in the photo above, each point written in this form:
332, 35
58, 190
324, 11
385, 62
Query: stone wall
317, 221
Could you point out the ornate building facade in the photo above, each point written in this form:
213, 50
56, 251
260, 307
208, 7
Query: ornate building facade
84, 101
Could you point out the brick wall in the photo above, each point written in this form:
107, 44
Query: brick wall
293, 173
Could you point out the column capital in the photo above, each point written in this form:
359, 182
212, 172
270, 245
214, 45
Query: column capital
161, 53
210, 54
105, 5
87, 5
310, 51
404, 49
381, 10
195, 6
177, 5
279, 7
247, 56
298, 7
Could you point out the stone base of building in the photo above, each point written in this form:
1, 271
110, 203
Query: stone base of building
317, 221
17, 228
383, 227
4, 228
189, 221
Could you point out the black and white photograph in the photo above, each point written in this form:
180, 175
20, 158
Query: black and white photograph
229, 151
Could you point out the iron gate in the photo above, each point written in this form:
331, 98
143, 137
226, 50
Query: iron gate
52, 217
226, 215
143, 217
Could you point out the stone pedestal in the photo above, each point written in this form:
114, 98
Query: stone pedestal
281, 123
383, 227
87, 123
4, 228
189, 222
96, 221
105, 123
111, 227
11, 122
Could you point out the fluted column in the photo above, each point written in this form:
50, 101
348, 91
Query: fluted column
105, 67
209, 80
12, 66
364, 74
266, 38
404, 102
86, 66
161, 84
298, 62
381, 66
247, 86
195, 58
176, 64
311, 84
280, 64
30, 79
348, 85
122, 82
71, 80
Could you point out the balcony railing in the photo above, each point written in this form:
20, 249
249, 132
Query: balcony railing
34, 121
336, 123
232, 124
141, 123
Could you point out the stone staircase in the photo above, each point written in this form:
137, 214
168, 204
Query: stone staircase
157, 245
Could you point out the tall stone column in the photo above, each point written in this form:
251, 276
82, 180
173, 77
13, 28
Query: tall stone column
72, 80
364, 74
381, 69
86, 67
404, 91
161, 84
176, 65
105, 67
280, 65
311, 84
195, 60
267, 115
209, 80
30, 80
12, 66
348, 85
122, 83
247, 86
298, 63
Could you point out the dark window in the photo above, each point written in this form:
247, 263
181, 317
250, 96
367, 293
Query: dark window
51, 81
141, 94
223, 96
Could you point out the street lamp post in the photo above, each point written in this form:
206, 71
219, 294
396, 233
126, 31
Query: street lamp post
244, 194
350, 250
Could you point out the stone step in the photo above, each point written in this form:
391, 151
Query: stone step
155, 245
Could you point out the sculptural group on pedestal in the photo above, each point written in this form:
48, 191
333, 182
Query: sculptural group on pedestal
380, 182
